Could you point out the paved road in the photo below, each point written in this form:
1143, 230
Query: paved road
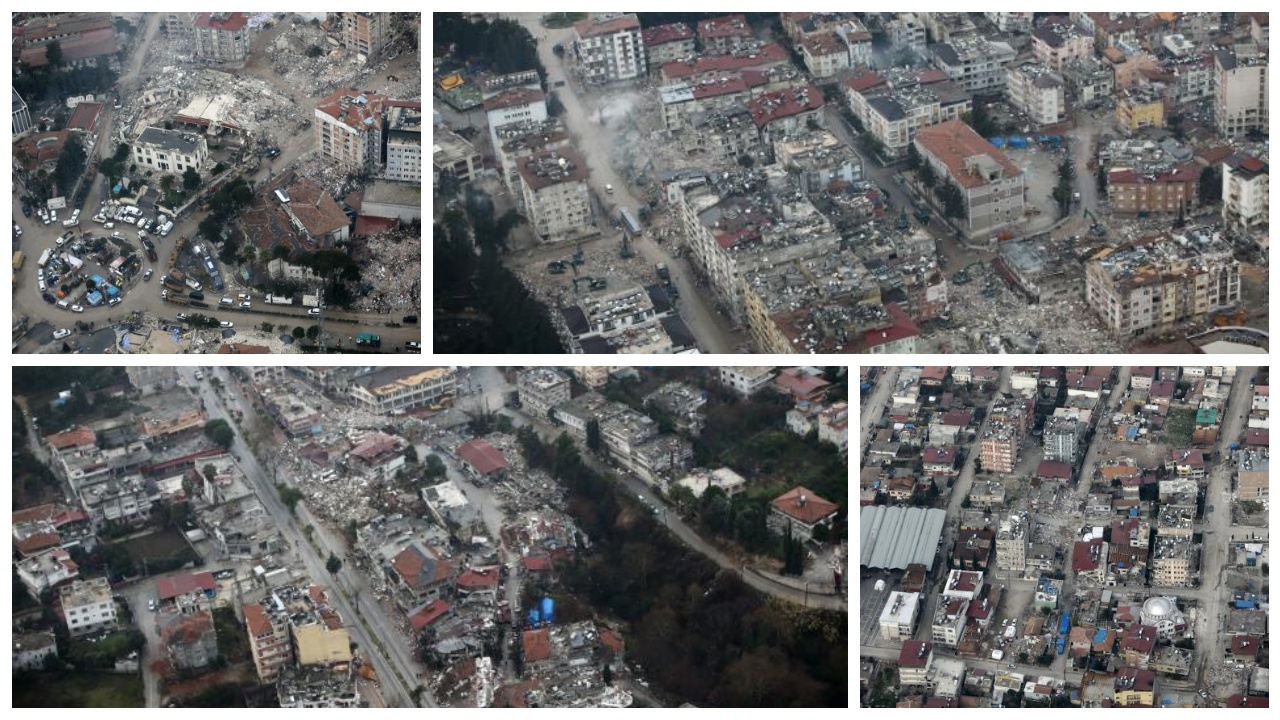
873, 406
593, 141
396, 671
493, 390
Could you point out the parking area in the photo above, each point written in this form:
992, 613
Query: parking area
871, 602
1039, 166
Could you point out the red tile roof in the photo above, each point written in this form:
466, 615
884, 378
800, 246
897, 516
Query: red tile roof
428, 613
1257, 438
537, 563
901, 329
592, 27
482, 456
953, 143
478, 578
1126, 176
933, 455
798, 383
769, 55
662, 34
910, 655
183, 584
725, 26
229, 21
514, 97
33, 544
1247, 701
537, 645
1053, 469
804, 505
85, 116
865, 81
75, 437
1082, 556
783, 103
256, 619
1244, 646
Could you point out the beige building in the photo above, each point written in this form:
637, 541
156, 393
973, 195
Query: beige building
1160, 286
368, 34
992, 187
1057, 45
349, 128
667, 43
268, 640
746, 381
974, 62
541, 388
1171, 562
399, 388
556, 197
1038, 91
1011, 544
318, 635
223, 37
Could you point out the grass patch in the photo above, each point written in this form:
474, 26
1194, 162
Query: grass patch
233, 644
1180, 426
562, 20
78, 689
159, 552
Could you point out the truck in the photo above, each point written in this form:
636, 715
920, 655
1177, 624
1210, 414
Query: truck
44, 257
1065, 624
193, 284
178, 275
629, 222
18, 259
368, 340
173, 285
278, 300
311, 301
151, 254
1062, 645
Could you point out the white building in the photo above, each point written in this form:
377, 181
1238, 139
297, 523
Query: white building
513, 105
1240, 93
976, 63
727, 480
898, 618
542, 388
30, 650
404, 144
170, 152
1038, 91
609, 48
88, 606
349, 128
746, 381
398, 388
1245, 184
556, 197
833, 426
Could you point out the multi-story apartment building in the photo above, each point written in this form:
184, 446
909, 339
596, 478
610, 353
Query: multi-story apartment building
894, 108
514, 105
1245, 184
976, 63
349, 128
88, 606
667, 43
404, 144
169, 152
223, 37
1058, 44
541, 388
1168, 190
898, 618
392, 388
1140, 107
557, 200
1010, 22
1160, 286
746, 381
1011, 544
725, 34
609, 49
268, 639
1240, 92
1171, 561
368, 34
1062, 439
992, 187
1038, 91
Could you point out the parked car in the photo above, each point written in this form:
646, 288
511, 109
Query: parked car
77, 308
313, 311
226, 301
61, 333
227, 324
147, 275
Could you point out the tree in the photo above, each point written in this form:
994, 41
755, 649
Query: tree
928, 177
1210, 187
913, 157
53, 53
299, 333
434, 467
313, 332
333, 564
220, 432
593, 435
309, 531
166, 183
290, 496
190, 179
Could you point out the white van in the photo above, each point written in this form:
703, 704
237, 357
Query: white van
64, 304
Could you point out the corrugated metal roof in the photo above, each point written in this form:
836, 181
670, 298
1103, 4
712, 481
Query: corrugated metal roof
895, 537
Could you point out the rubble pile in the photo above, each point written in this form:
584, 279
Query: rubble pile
395, 272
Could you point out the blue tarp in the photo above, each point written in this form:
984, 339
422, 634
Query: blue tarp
1244, 604
1132, 434
997, 141
93, 298
1133, 512
113, 291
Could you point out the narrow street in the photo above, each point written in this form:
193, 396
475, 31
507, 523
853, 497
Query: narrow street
593, 141
377, 637
876, 401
